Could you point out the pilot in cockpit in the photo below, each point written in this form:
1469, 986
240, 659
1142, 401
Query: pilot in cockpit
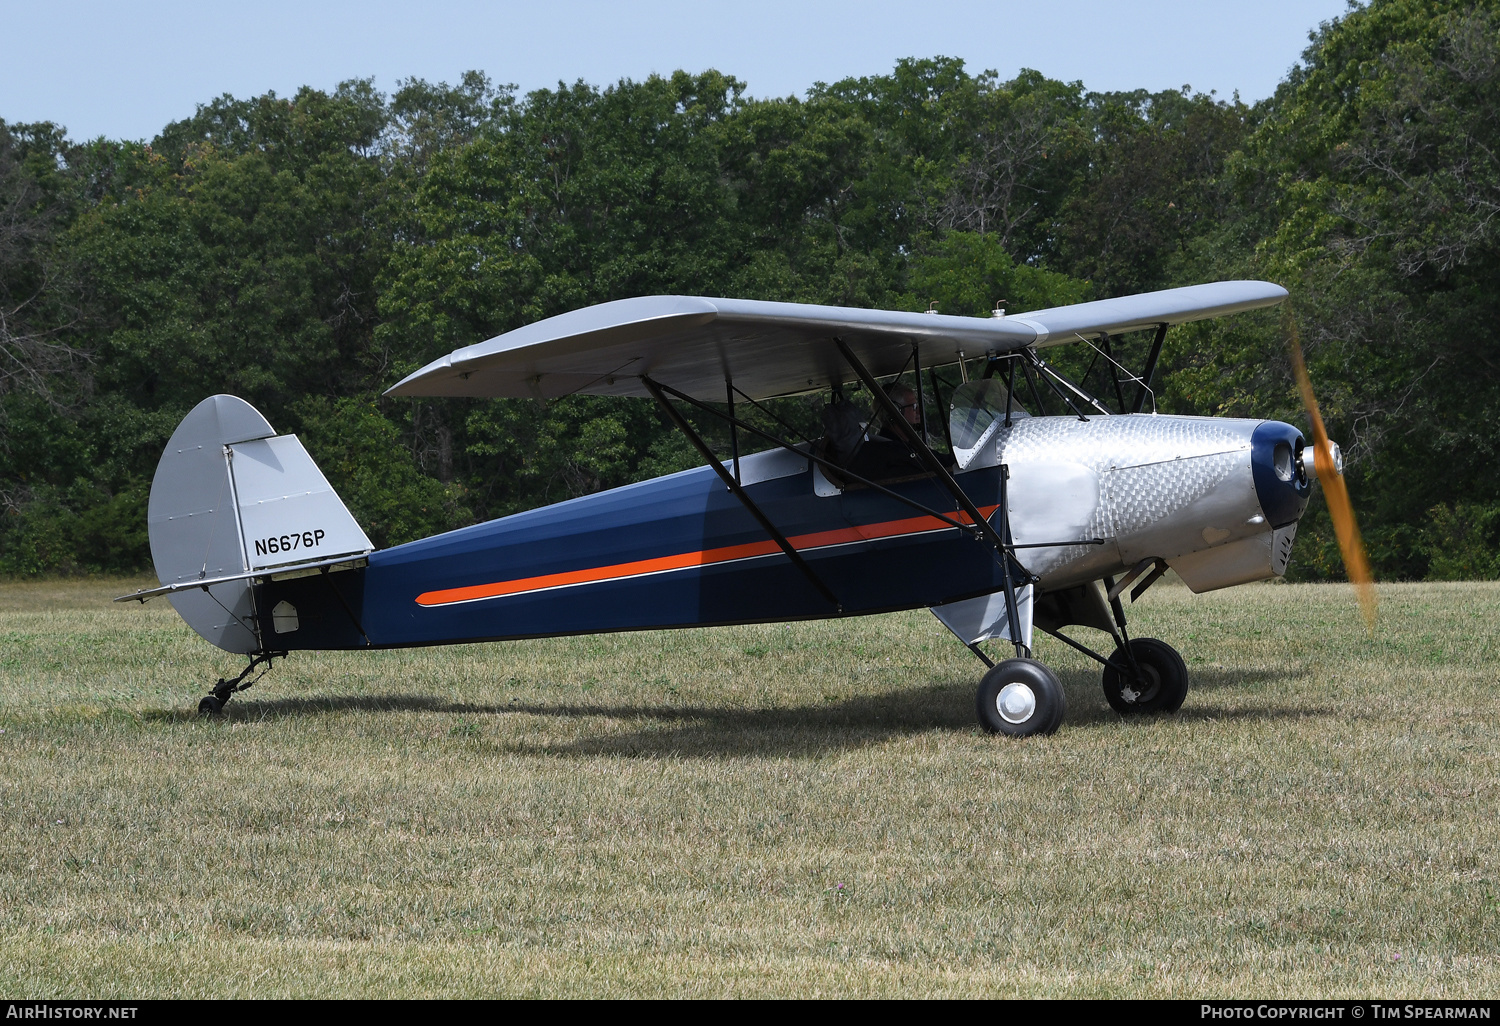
908, 403
881, 454
904, 397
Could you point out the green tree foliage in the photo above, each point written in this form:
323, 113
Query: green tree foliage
1155, 185
54, 514
238, 253
307, 252
970, 273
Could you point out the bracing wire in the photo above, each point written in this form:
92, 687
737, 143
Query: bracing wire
1134, 379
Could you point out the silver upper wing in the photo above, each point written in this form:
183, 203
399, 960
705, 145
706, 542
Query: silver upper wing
1149, 310
769, 349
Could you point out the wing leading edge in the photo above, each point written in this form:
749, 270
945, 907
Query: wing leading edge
769, 349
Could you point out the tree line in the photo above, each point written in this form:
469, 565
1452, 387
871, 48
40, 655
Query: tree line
307, 252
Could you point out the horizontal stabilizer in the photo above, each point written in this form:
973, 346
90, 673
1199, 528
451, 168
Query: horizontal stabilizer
280, 573
768, 349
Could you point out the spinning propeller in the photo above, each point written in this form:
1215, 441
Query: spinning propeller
1330, 474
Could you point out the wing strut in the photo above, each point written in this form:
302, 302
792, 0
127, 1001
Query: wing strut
731, 481
987, 530
1012, 616
1150, 369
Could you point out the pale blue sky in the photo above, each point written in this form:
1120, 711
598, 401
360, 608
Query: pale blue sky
125, 70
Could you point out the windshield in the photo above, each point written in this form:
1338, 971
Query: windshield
976, 408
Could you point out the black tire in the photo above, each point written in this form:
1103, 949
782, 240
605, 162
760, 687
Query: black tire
210, 706
1164, 682
1036, 704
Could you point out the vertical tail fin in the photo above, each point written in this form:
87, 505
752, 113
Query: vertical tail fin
232, 497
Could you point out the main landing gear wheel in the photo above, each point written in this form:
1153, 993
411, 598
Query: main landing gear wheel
1020, 697
1162, 685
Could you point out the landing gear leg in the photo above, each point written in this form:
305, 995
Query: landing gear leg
1019, 696
1144, 675
224, 690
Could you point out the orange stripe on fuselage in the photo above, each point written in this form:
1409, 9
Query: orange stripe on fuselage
640, 567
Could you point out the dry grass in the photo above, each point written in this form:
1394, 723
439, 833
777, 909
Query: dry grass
751, 811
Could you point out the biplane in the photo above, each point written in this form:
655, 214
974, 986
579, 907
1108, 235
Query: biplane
1044, 508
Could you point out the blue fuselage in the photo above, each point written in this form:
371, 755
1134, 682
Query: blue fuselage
676, 551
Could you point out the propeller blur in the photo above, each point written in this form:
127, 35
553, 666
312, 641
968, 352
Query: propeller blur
1330, 471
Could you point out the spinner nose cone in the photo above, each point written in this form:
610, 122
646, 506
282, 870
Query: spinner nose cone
1281, 482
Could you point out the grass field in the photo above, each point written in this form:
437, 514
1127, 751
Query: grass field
778, 810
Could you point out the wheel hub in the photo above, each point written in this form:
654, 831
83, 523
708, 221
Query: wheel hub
1143, 688
1015, 703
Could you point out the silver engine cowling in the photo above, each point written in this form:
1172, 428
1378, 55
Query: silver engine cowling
1218, 499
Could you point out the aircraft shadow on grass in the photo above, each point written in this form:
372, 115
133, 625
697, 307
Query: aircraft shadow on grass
806, 730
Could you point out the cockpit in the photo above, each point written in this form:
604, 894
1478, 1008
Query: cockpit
860, 443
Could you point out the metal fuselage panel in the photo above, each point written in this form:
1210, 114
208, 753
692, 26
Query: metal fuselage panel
676, 551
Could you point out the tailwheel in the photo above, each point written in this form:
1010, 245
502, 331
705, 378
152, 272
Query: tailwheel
1159, 687
1020, 697
213, 704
